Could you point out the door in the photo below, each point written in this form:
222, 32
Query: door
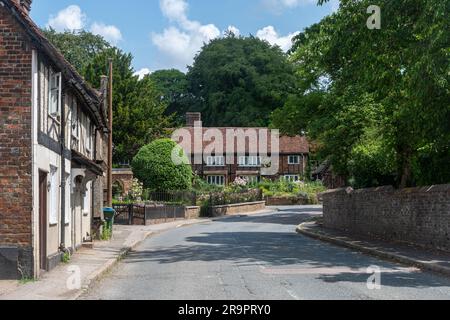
43, 220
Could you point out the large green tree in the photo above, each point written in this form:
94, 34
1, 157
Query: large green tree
139, 112
386, 102
237, 81
172, 85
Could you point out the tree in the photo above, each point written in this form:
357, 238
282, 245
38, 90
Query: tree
172, 85
237, 81
79, 48
139, 113
153, 165
387, 94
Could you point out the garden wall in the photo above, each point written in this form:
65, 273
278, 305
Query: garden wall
419, 216
155, 214
233, 209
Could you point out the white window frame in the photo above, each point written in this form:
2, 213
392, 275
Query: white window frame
88, 137
251, 179
54, 89
75, 128
216, 180
216, 161
53, 188
294, 162
292, 177
87, 200
250, 161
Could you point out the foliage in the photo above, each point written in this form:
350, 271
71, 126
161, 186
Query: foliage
237, 81
139, 113
383, 116
66, 257
79, 48
153, 165
172, 86
284, 188
136, 190
231, 196
200, 186
106, 232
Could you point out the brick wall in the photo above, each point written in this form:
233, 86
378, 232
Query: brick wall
15, 141
420, 216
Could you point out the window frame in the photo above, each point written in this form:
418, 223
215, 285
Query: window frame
292, 177
249, 161
211, 161
57, 76
53, 202
213, 180
296, 162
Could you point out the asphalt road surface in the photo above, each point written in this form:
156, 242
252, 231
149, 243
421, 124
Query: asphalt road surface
258, 257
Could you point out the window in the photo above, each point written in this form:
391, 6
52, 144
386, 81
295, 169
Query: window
87, 200
215, 161
294, 159
252, 161
292, 178
75, 127
54, 95
53, 189
88, 138
216, 180
251, 179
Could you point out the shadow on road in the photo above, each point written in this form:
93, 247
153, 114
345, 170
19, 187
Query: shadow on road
283, 250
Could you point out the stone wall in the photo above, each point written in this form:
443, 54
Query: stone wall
235, 209
156, 214
15, 150
419, 216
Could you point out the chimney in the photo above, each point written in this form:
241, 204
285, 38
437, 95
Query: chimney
25, 5
192, 118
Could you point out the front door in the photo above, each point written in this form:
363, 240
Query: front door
43, 220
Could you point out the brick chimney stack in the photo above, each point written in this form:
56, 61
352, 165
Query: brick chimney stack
25, 5
192, 118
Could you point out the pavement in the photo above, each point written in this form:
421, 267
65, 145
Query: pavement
89, 264
259, 257
425, 259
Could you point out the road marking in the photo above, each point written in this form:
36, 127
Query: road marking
293, 295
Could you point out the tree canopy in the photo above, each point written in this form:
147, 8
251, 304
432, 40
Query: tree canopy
376, 101
153, 165
139, 113
238, 81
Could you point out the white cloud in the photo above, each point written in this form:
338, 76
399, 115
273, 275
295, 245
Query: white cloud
233, 30
70, 18
180, 43
111, 33
142, 73
73, 18
271, 35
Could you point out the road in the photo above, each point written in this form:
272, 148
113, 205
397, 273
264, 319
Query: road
257, 257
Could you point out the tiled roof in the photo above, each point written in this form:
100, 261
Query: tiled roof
288, 145
89, 95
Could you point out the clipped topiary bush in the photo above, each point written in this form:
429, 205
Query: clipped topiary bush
154, 166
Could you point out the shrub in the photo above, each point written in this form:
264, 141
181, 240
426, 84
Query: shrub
153, 165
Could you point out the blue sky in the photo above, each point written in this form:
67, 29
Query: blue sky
165, 34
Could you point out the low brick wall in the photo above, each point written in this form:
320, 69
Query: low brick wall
157, 214
287, 201
234, 209
418, 216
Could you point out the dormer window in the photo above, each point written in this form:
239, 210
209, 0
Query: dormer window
54, 95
